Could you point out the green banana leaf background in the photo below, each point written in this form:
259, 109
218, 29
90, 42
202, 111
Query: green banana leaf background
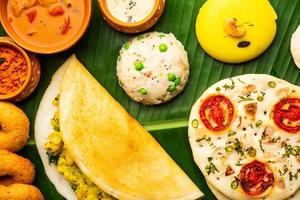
98, 51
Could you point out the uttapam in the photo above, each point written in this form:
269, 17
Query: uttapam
245, 137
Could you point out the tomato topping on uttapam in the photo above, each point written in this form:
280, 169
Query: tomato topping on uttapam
217, 112
287, 115
255, 178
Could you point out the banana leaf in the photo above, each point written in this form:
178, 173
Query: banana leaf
98, 51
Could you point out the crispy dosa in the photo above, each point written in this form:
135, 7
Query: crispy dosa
111, 147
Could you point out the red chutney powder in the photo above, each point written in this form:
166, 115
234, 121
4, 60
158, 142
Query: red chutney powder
13, 70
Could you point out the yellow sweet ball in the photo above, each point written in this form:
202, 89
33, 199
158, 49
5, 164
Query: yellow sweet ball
236, 31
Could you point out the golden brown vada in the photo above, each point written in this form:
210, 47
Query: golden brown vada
20, 192
15, 169
14, 127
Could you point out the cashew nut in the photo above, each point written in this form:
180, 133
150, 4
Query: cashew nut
232, 29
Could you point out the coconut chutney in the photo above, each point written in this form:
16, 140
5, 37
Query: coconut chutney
130, 11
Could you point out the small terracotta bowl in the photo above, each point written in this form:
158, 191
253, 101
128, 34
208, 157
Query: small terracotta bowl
33, 74
38, 49
136, 27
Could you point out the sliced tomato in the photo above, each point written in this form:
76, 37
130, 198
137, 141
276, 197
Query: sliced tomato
216, 112
31, 15
56, 10
287, 115
255, 178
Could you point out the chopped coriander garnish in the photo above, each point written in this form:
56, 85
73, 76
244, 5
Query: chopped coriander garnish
218, 89
285, 169
229, 87
261, 147
275, 140
245, 99
291, 150
210, 167
239, 163
241, 81
295, 152
294, 176
231, 133
200, 139
263, 93
52, 159
238, 147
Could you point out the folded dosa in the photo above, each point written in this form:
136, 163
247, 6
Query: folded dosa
111, 147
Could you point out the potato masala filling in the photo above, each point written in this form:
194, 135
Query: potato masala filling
58, 155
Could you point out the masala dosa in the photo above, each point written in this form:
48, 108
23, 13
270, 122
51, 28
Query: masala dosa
111, 147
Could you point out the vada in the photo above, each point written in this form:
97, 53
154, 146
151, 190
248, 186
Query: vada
14, 127
20, 192
15, 169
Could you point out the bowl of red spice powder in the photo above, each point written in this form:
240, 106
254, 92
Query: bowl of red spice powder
19, 71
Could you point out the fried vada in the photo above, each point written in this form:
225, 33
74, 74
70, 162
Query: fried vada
14, 127
20, 192
15, 169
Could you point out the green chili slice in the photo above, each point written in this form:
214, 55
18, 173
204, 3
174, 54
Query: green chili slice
195, 123
272, 84
258, 123
229, 149
234, 184
260, 98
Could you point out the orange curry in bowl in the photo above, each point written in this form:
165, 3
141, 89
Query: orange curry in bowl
14, 71
46, 23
